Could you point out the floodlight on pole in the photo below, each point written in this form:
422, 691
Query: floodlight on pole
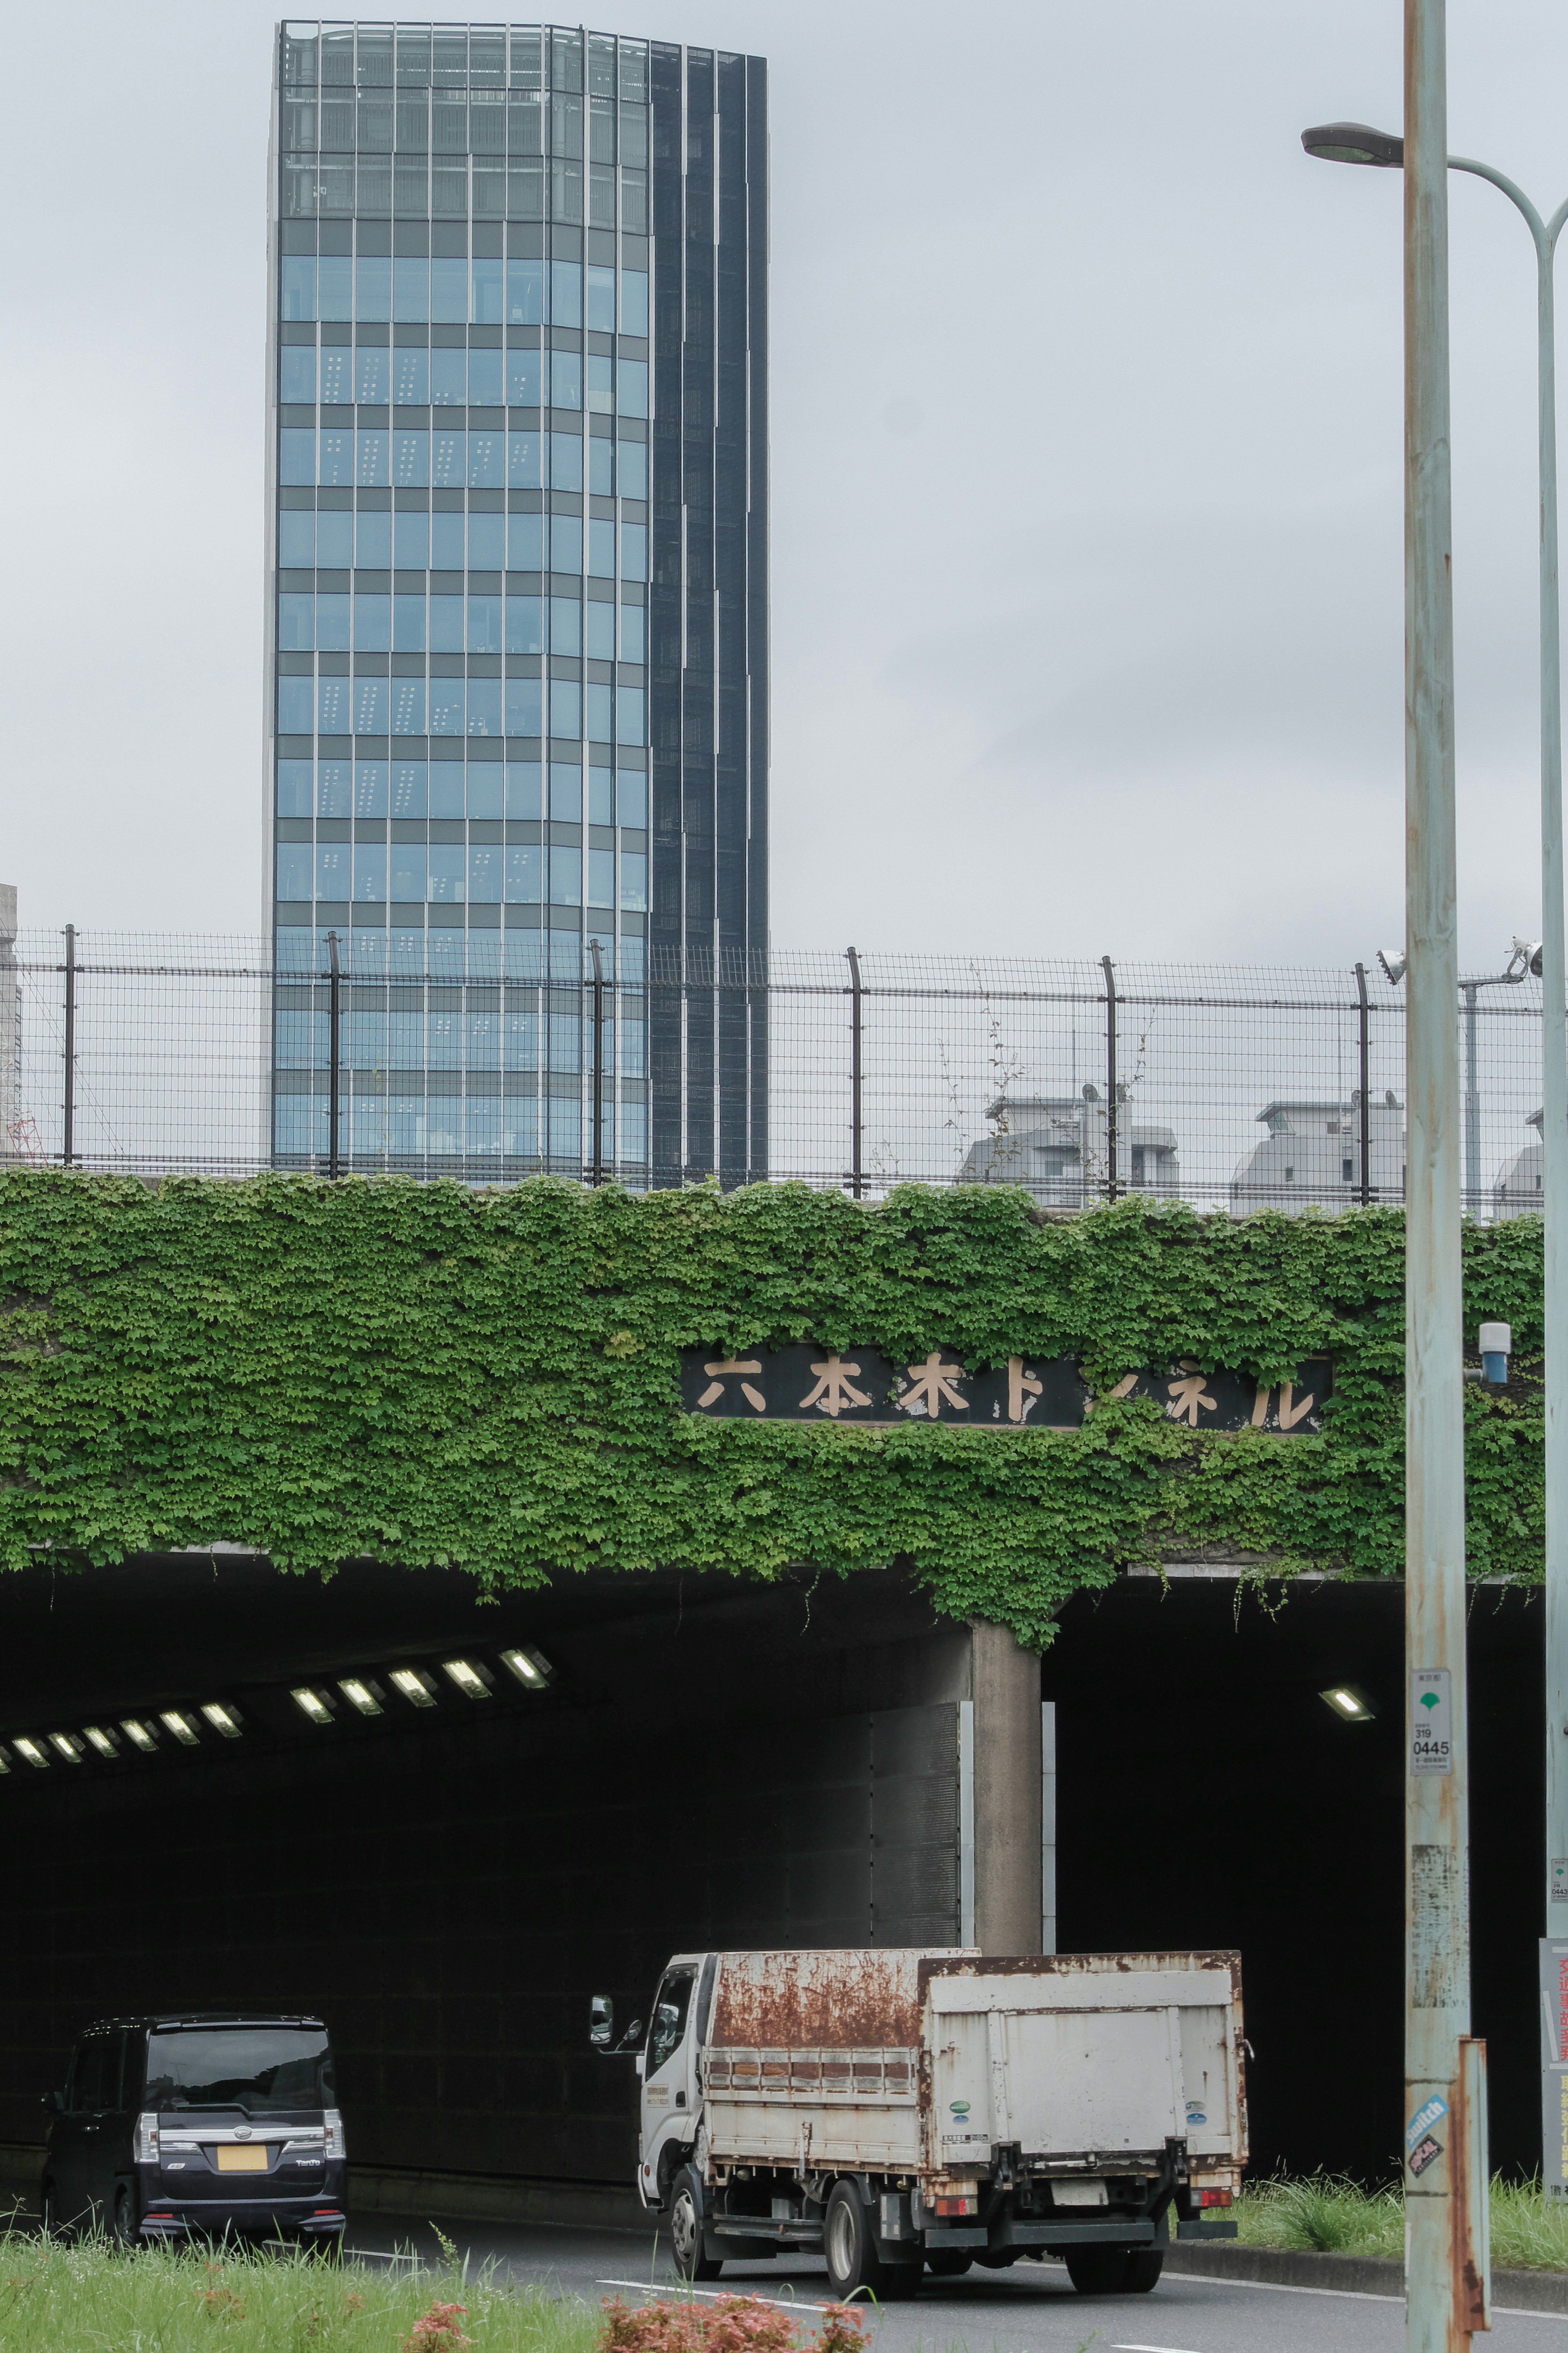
1355, 142
1394, 962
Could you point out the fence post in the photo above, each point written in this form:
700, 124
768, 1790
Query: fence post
334, 1021
1472, 1106
854, 1073
1365, 1094
1111, 1103
598, 1063
69, 1137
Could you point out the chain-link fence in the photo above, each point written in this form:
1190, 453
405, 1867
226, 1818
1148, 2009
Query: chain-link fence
489, 1056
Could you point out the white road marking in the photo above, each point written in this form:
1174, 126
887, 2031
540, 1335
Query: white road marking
1348, 2295
1149, 2348
675, 2287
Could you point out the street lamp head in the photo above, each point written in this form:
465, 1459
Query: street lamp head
1394, 962
1355, 142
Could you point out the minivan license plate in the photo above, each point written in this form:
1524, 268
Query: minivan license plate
232, 2158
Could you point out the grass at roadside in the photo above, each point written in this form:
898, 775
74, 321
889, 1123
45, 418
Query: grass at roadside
1338, 2217
85, 2297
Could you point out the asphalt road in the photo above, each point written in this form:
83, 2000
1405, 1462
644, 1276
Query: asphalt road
1030, 2309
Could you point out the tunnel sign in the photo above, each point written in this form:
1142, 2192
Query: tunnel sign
812, 1382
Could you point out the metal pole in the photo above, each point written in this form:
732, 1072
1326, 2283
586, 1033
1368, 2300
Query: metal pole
1554, 1050
1110, 1105
598, 1063
69, 1136
1365, 1093
1554, 1099
1438, 2309
334, 1017
855, 1106
1472, 1109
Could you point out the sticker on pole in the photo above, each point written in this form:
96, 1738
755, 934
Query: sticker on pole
1431, 1720
1560, 1879
1422, 2121
1427, 2154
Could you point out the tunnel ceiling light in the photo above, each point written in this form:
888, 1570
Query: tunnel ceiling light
531, 1668
415, 1687
359, 1694
5, 1761
176, 1720
103, 1741
66, 1744
471, 1681
140, 1736
32, 1753
223, 1718
1350, 1700
313, 1703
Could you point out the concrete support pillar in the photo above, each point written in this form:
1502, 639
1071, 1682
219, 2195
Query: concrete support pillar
1007, 1791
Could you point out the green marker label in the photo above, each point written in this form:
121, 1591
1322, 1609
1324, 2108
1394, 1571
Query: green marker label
1431, 1721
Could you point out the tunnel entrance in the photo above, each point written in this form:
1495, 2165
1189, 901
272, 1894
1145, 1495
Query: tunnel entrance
693, 1763
1206, 1788
448, 1879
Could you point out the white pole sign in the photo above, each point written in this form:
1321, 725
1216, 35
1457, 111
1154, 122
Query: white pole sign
1431, 1720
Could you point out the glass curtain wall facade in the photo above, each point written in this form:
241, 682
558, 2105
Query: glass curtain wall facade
517, 609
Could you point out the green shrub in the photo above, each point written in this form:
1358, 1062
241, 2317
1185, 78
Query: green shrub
1329, 2214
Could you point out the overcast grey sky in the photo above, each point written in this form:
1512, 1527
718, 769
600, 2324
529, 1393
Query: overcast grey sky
1086, 465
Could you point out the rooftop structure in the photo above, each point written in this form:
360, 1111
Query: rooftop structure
1311, 1157
1059, 1147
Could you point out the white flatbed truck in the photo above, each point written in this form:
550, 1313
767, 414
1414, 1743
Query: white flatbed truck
901, 2111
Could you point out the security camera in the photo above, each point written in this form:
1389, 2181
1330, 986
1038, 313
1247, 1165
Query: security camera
1529, 955
1394, 962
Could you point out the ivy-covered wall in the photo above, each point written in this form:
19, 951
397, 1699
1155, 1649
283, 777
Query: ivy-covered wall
431, 1374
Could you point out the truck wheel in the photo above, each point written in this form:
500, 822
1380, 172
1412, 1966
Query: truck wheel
853, 2261
1099, 2271
686, 2228
1144, 2265
952, 2263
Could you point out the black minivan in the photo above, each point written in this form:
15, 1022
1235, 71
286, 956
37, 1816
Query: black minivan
197, 2126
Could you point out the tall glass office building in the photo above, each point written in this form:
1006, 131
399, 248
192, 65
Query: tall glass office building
517, 634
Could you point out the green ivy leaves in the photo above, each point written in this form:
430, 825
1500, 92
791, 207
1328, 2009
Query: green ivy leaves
431, 1373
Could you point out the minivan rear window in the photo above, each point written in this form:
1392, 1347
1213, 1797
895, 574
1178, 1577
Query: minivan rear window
261, 2069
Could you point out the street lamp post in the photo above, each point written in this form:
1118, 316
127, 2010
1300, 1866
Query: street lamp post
1354, 142
1445, 2298
1526, 957
1518, 964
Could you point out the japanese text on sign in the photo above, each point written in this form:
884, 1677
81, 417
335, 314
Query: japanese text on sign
806, 1382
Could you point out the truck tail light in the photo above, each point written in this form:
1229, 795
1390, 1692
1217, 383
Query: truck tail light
1212, 2198
332, 2139
957, 2205
147, 2138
